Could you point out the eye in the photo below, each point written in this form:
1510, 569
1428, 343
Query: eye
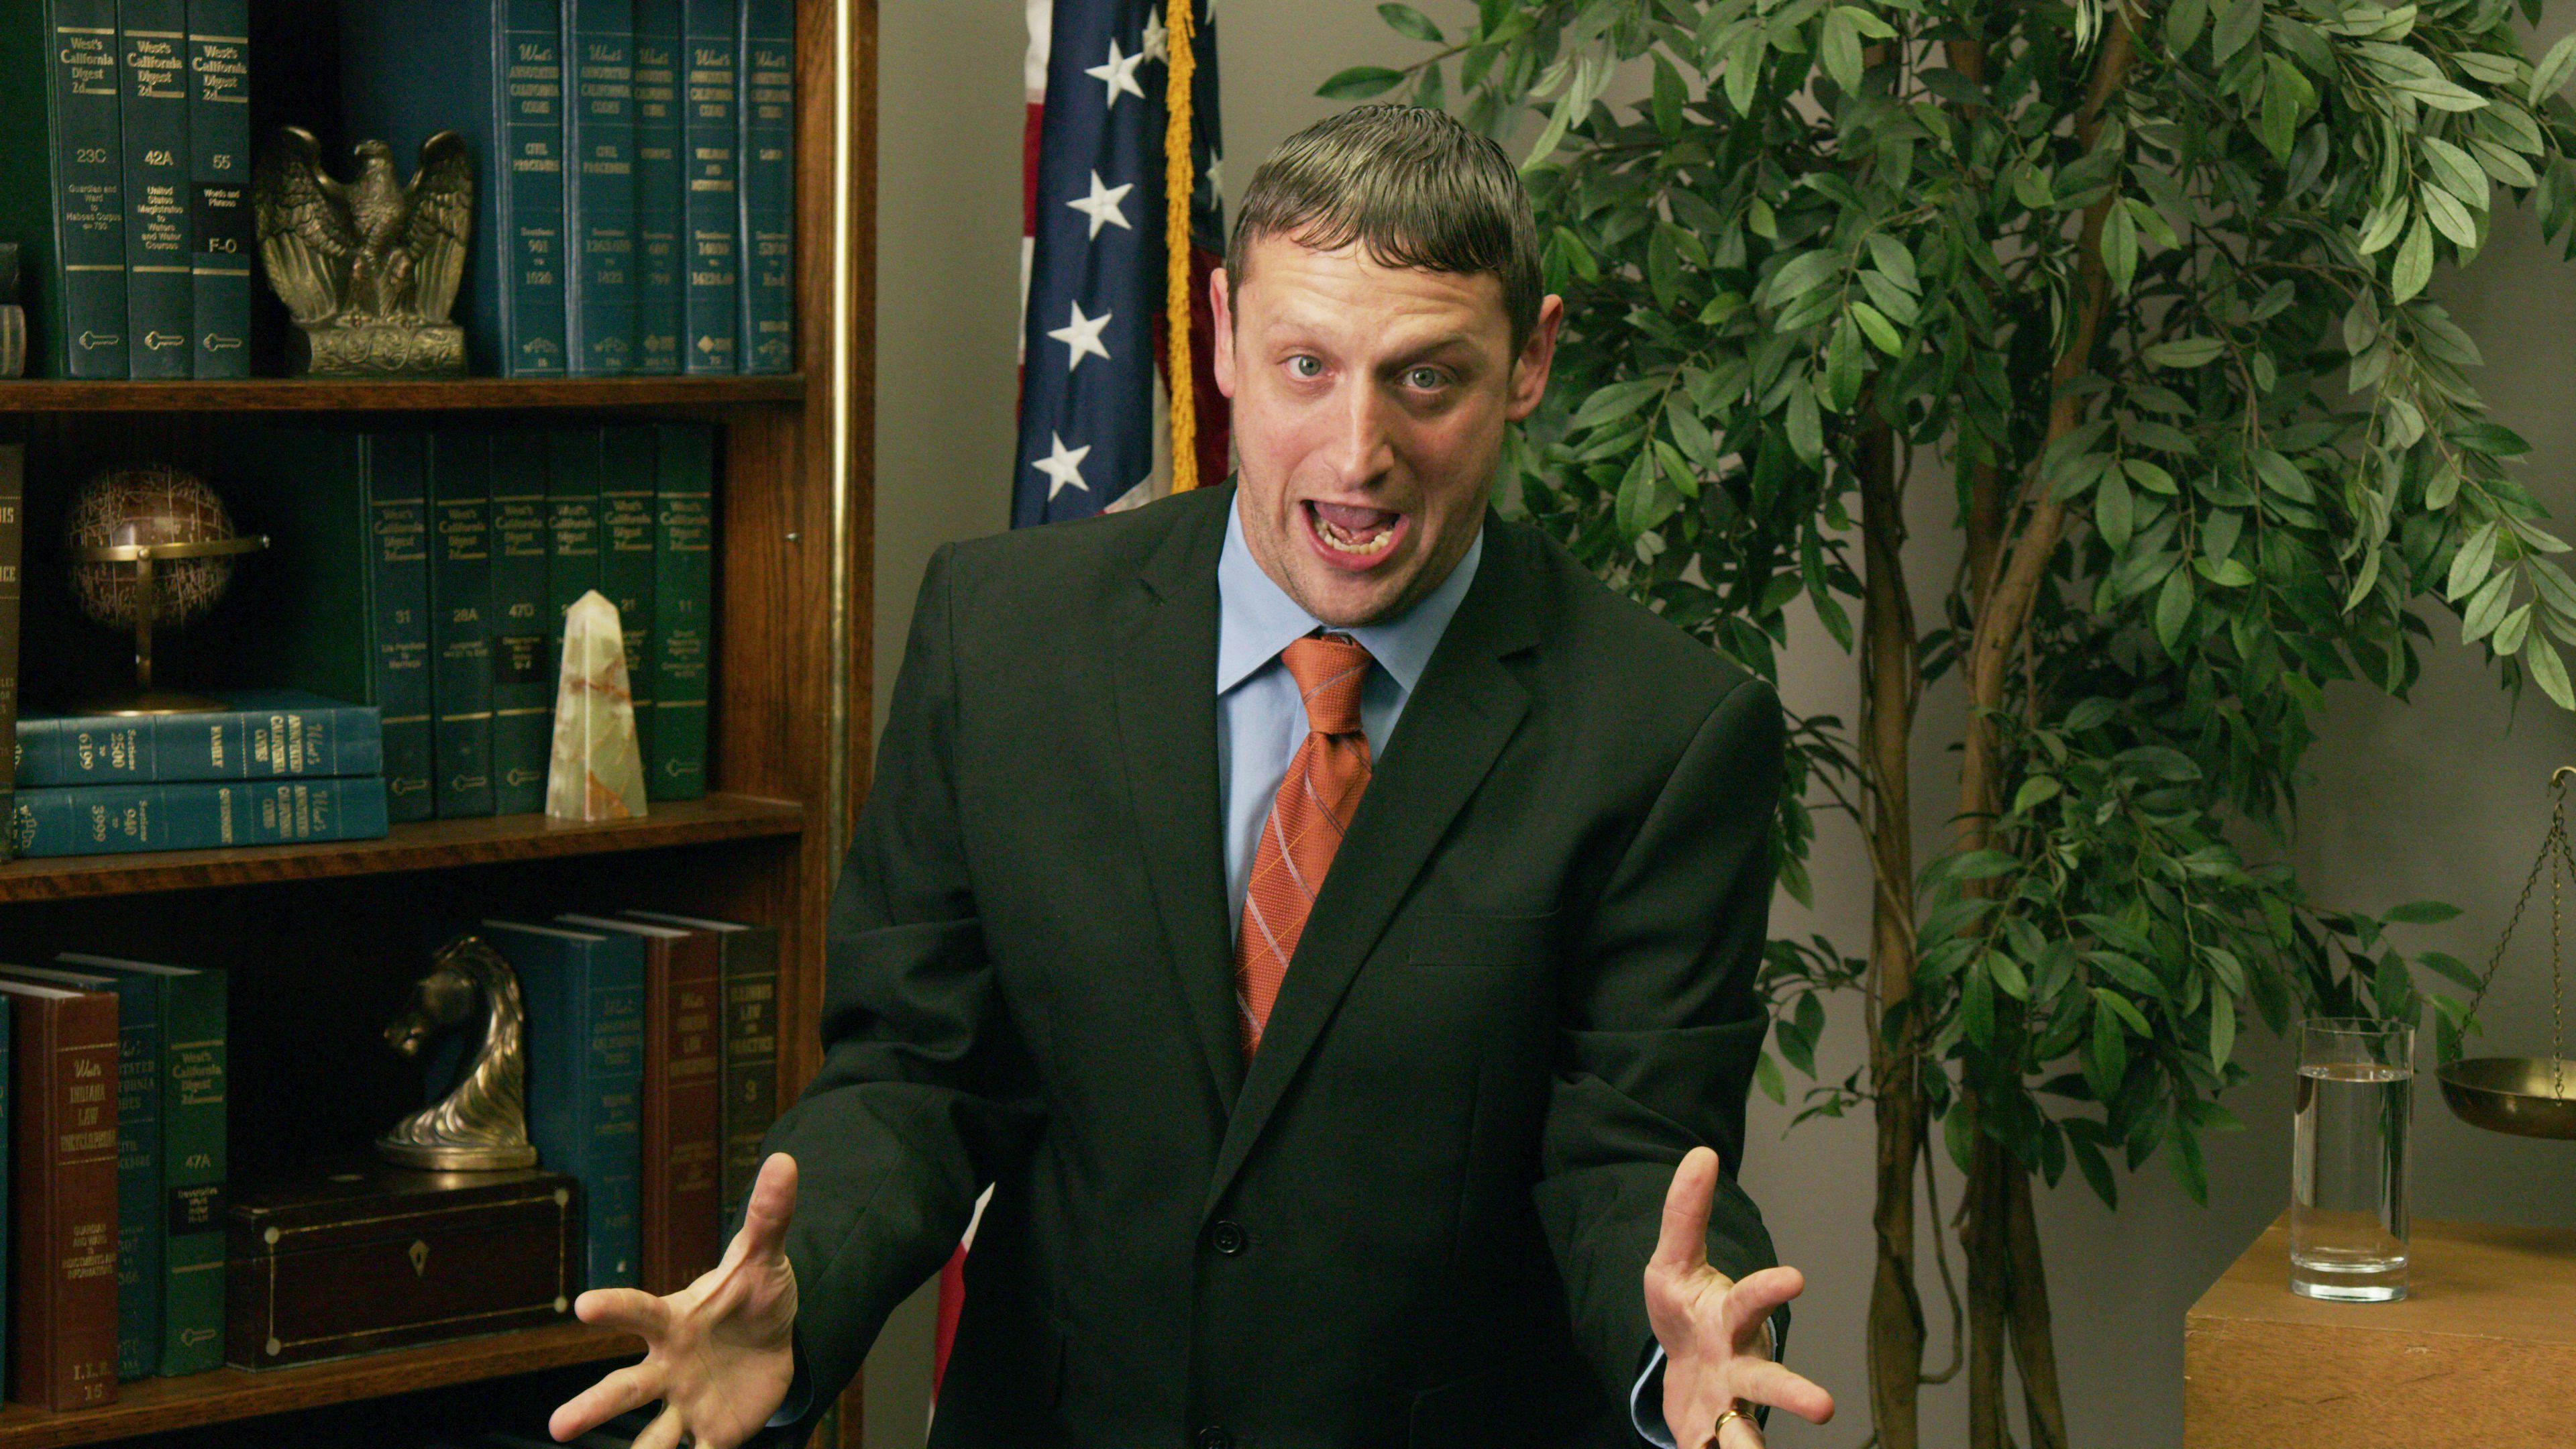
1426, 379
1305, 366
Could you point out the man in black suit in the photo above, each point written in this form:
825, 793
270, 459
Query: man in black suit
1325, 916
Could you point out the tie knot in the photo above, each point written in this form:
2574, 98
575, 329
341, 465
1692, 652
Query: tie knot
1329, 672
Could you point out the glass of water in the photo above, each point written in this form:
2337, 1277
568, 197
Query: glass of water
2348, 1162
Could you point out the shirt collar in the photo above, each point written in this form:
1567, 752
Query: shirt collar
1258, 619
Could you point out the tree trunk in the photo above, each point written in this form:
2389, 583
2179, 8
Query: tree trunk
2034, 1350
1888, 684
1982, 1239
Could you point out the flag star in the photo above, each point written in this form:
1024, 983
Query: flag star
1158, 36
1119, 74
1082, 334
1216, 173
1064, 466
1102, 205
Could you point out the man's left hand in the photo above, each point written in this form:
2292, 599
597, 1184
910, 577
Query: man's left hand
1711, 1325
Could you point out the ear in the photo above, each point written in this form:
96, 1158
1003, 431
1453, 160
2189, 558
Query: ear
1221, 304
1538, 356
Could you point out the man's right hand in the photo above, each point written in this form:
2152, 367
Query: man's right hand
719, 1353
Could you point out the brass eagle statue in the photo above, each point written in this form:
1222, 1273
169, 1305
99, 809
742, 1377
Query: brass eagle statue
368, 268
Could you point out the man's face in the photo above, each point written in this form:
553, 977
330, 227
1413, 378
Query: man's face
1369, 408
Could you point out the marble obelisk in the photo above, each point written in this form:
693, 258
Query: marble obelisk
598, 771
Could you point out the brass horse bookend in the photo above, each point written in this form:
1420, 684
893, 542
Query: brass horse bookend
482, 1126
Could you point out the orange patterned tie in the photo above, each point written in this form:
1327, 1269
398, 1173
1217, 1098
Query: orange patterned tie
1306, 822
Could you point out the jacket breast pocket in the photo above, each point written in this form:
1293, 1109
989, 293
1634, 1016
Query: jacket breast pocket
1459, 938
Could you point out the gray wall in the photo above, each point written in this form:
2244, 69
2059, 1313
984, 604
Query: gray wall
2444, 796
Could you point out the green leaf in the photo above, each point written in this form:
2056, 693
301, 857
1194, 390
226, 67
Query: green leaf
2150, 477
2455, 172
2008, 975
2119, 248
2541, 658
1766, 1075
2222, 1027
2108, 1060
1406, 20
1800, 275
2121, 1007
1615, 402
2422, 913
1670, 97
2237, 22
2550, 76
1806, 427
2414, 265
2469, 566
1839, 49
2283, 476
2184, 352
1881, 333
1895, 260
2449, 217
1360, 82
2037, 790
2183, 23
2173, 610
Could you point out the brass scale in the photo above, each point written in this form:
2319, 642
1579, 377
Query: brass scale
2526, 1096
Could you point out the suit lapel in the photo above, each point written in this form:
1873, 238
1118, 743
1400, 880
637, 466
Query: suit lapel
1164, 675
1462, 712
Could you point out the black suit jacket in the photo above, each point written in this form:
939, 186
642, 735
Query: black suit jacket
1421, 1216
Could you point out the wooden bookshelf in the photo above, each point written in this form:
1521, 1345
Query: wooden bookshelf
315, 935
225, 1395
428, 845
304, 395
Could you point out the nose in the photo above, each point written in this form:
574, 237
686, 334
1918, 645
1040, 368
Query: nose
1361, 452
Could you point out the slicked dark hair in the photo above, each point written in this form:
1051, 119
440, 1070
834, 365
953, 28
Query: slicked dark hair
1410, 185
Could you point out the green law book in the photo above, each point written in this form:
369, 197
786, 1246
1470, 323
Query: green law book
138, 1158
62, 181
629, 493
339, 603
523, 670
194, 1074
460, 632
675, 748
572, 523
160, 245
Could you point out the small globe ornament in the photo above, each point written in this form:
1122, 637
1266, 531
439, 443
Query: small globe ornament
148, 548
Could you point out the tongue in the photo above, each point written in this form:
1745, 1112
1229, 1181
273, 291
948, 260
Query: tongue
1358, 522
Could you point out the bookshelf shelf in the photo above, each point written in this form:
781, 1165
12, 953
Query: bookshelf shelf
147, 1406
429, 845
302, 395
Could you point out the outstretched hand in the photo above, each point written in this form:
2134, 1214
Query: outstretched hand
719, 1353
1711, 1325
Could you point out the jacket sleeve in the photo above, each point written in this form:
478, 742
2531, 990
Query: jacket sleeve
925, 1093
1663, 1024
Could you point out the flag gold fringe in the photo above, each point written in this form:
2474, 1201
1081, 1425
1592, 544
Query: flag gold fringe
1180, 182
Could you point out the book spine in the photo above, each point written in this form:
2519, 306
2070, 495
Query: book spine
523, 676
8, 1145
139, 1232
750, 1055
628, 496
245, 744
675, 758
768, 152
159, 251
529, 98
195, 1161
120, 819
13, 497
659, 258
613, 1082
89, 188
396, 472
712, 141
460, 603
63, 1143
683, 1082
219, 220
572, 530
599, 159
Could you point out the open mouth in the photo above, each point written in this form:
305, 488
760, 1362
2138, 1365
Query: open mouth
1353, 536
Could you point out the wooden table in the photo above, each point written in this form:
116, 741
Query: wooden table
2480, 1354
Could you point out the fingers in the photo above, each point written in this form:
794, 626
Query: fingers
662, 1433
625, 1389
629, 1310
1740, 1434
1761, 1381
1683, 1245
772, 1205
1753, 1298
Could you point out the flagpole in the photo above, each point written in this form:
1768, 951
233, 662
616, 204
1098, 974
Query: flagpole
1180, 183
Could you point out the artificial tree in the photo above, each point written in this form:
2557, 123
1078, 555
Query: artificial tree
2144, 290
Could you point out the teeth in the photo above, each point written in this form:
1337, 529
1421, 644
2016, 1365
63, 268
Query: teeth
1341, 542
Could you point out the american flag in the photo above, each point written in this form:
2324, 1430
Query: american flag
1095, 270
1095, 266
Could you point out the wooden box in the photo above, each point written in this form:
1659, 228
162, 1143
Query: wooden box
365, 1257
2479, 1354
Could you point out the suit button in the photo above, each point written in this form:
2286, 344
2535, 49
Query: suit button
1213, 1437
1229, 1238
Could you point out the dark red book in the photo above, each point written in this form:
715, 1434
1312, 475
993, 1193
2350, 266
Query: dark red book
682, 1209
62, 1143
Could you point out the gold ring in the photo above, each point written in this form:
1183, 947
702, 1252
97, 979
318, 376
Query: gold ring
1733, 1411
